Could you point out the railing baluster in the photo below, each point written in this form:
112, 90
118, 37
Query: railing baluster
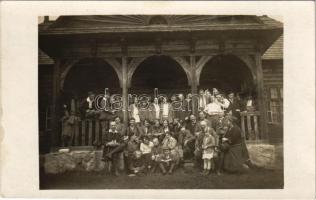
255, 119
90, 133
249, 126
83, 131
243, 124
97, 132
76, 134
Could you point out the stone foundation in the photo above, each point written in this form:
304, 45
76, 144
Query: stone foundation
262, 155
78, 160
268, 156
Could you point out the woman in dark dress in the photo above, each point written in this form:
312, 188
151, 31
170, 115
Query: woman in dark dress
234, 159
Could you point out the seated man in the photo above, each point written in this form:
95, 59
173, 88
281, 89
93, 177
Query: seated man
193, 126
176, 126
202, 118
186, 141
156, 151
133, 129
131, 147
145, 128
145, 148
171, 143
113, 145
137, 165
156, 130
167, 161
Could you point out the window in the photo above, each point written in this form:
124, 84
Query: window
274, 93
275, 105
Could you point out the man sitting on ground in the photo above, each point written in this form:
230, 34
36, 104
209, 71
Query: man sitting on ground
137, 166
167, 161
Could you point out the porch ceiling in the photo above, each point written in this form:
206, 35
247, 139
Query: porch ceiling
138, 29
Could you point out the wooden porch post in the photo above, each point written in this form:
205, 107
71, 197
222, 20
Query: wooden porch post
261, 98
124, 82
193, 84
56, 103
125, 90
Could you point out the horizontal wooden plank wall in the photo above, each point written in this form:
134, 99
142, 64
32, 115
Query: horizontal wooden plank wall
272, 72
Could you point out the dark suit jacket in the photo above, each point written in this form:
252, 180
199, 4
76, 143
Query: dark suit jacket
233, 106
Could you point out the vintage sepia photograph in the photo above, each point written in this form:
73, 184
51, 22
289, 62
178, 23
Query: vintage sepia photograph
160, 102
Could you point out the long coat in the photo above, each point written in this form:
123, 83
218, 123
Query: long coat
234, 158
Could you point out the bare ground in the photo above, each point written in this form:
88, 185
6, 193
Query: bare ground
180, 179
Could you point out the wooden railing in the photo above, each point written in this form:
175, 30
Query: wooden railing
250, 124
88, 132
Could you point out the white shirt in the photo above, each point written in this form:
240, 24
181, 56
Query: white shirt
226, 103
165, 109
89, 102
144, 148
249, 102
202, 101
213, 109
135, 114
157, 110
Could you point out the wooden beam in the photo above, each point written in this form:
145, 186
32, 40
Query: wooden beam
193, 84
56, 104
124, 82
125, 90
261, 98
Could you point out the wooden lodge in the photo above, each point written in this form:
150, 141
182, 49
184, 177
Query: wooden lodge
175, 53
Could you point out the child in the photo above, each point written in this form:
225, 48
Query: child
208, 147
146, 147
136, 166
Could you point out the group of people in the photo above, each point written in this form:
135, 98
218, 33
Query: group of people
161, 138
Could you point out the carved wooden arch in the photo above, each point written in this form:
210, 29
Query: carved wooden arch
69, 64
245, 58
135, 62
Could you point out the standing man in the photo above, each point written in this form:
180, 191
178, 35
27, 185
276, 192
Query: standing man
155, 110
88, 106
134, 111
213, 111
234, 106
113, 146
166, 111
202, 100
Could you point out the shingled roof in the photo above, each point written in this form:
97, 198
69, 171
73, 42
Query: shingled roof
275, 52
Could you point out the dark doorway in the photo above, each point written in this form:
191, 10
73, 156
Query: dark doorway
90, 75
227, 73
160, 72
